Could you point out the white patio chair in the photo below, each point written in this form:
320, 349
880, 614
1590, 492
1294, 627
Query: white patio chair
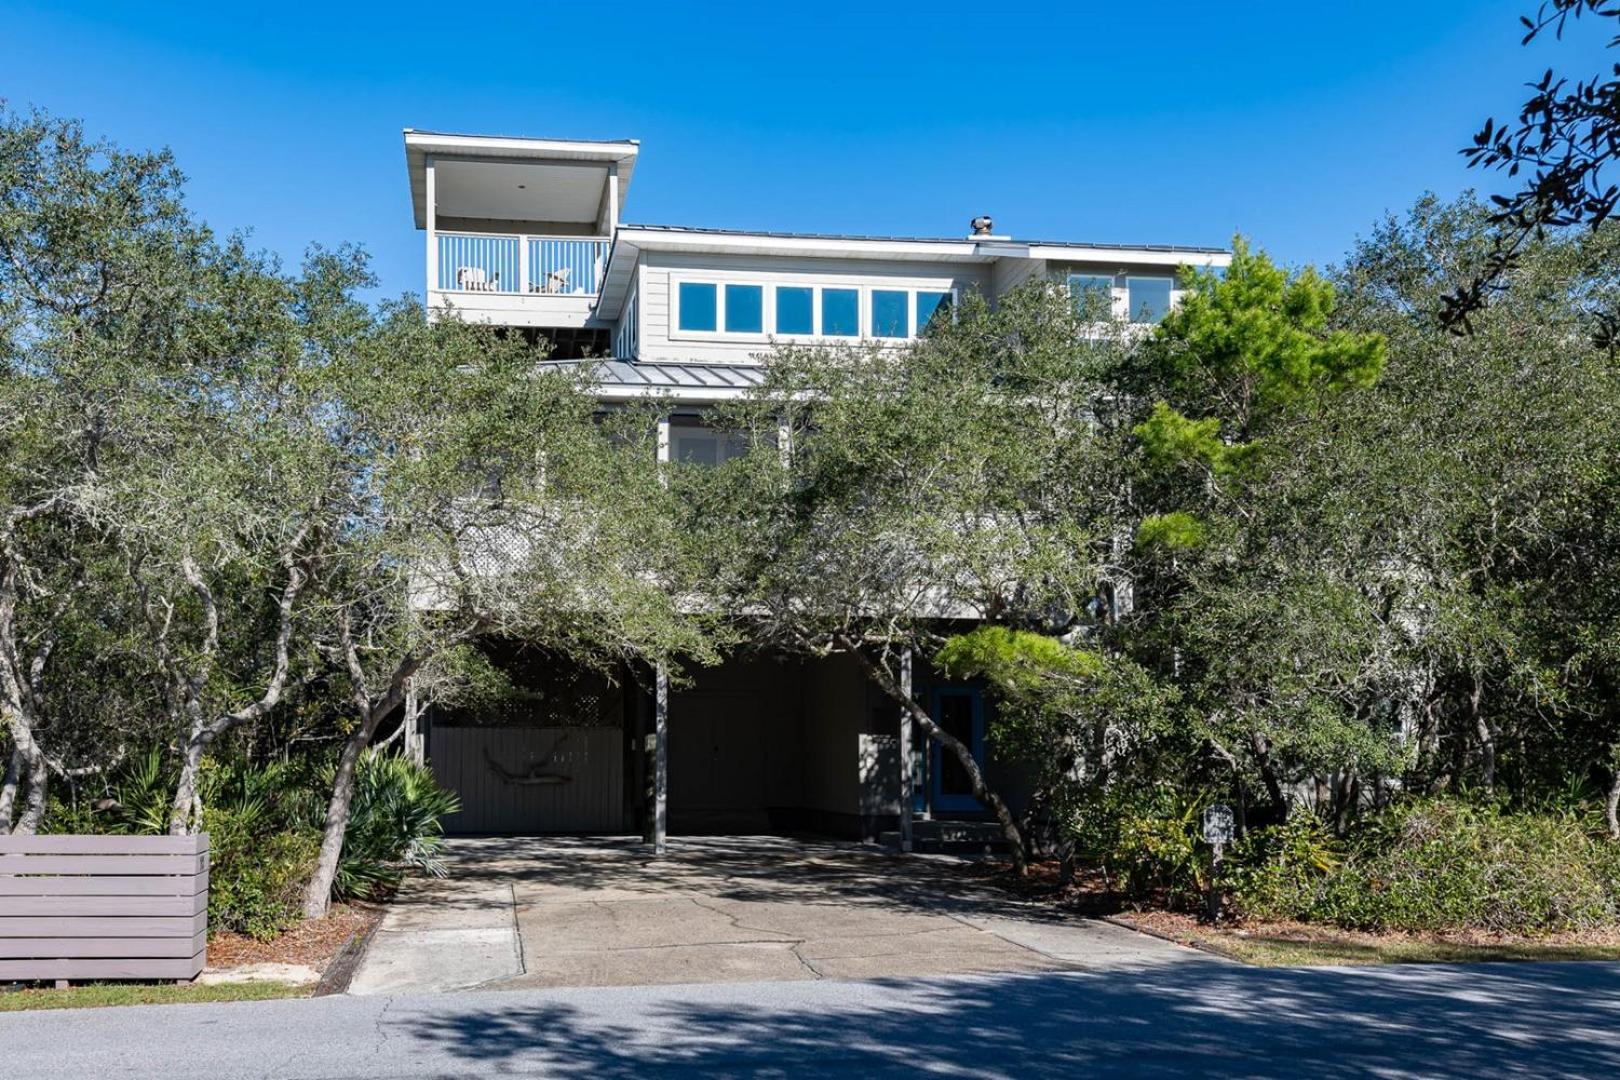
557, 280
475, 279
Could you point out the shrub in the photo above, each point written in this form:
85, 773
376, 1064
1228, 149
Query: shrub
1278, 873
256, 877
1156, 850
1439, 865
396, 823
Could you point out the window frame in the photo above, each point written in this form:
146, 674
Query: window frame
723, 322
1169, 302
769, 283
776, 311
678, 306
908, 307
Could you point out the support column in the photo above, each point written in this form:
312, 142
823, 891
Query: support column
660, 785
432, 223
661, 763
905, 752
413, 725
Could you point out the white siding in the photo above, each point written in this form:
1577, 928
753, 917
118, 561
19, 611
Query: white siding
1007, 274
627, 337
660, 341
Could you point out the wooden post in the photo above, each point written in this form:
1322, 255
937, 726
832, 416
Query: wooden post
905, 752
661, 763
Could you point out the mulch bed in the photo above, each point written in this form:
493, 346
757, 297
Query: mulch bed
1187, 929
1089, 894
313, 942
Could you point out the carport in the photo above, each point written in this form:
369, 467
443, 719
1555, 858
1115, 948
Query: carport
757, 745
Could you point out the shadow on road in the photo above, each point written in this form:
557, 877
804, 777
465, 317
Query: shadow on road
1529, 1019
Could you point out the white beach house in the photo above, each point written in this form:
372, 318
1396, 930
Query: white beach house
528, 233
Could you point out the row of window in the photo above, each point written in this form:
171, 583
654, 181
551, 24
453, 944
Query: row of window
1147, 299
704, 307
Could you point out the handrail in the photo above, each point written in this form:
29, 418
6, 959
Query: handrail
520, 263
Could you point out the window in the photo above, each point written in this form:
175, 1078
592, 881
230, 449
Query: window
745, 309
795, 310
889, 315
694, 442
1092, 294
930, 304
1149, 298
840, 312
698, 306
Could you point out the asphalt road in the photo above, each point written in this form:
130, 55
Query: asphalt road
1182, 1020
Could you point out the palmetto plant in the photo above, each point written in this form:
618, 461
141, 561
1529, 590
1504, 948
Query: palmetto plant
141, 794
395, 825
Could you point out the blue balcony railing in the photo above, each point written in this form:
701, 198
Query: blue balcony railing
536, 265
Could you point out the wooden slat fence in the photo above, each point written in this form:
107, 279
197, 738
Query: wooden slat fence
103, 907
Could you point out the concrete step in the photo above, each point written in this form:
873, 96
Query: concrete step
950, 838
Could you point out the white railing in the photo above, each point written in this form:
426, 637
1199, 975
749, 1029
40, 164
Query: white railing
538, 265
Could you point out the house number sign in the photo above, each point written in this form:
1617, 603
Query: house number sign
1219, 826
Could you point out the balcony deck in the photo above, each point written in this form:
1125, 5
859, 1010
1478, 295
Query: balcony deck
518, 280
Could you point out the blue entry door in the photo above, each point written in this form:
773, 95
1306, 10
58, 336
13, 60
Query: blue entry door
960, 711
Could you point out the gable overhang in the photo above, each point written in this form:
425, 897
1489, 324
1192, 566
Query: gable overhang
563, 161
1129, 257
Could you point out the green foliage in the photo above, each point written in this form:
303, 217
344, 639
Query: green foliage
1177, 531
395, 825
1436, 865
256, 872
1279, 871
1157, 852
1256, 340
264, 824
1017, 662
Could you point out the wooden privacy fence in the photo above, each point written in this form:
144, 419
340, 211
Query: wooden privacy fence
103, 907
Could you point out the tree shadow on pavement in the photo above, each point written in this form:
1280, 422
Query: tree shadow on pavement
1194, 1019
752, 868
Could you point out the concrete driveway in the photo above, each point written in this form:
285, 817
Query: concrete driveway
553, 912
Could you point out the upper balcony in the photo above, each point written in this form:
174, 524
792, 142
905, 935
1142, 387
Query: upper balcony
517, 229
519, 280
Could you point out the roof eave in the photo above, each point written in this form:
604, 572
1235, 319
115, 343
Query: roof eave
419, 145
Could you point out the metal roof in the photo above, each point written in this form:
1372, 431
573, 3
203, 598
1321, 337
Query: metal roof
727, 379
775, 235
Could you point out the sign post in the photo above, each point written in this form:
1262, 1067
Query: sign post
1219, 828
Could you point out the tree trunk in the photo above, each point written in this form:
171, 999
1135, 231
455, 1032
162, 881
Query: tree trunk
372, 712
26, 771
8, 789
1611, 809
962, 752
185, 812
33, 812
1487, 738
1268, 773
318, 894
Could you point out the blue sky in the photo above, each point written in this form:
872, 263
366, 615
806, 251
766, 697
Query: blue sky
1297, 124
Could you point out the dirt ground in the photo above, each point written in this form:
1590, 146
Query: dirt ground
1288, 943
312, 943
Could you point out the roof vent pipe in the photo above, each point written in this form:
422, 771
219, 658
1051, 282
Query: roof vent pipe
982, 225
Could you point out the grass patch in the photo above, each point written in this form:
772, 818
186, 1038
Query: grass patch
1291, 944
99, 995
